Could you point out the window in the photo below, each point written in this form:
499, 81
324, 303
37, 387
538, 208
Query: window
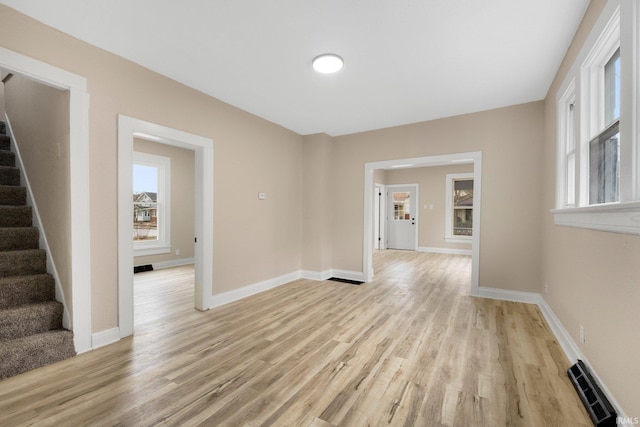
151, 204
598, 165
401, 206
459, 217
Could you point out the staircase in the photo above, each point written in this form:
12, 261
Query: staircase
31, 333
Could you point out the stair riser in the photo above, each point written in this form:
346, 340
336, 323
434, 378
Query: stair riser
9, 175
23, 263
15, 216
5, 142
12, 195
29, 320
34, 352
7, 158
19, 238
22, 290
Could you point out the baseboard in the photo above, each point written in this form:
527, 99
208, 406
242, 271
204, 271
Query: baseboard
349, 275
568, 345
106, 337
172, 263
507, 295
247, 291
445, 251
316, 275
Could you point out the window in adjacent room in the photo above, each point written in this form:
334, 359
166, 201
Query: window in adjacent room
151, 208
459, 218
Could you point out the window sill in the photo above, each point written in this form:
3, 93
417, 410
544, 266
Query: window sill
151, 250
460, 240
612, 217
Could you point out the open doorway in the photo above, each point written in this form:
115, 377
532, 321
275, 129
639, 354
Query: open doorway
128, 130
471, 158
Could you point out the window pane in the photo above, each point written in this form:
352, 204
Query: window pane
604, 171
402, 206
612, 89
463, 192
462, 222
145, 202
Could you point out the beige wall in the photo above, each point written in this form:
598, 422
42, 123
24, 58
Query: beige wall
317, 210
182, 200
432, 193
39, 117
511, 142
592, 276
253, 240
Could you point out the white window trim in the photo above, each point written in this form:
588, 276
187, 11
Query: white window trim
163, 244
448, 226
622, 216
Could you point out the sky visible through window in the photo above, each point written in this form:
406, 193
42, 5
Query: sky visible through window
145, 179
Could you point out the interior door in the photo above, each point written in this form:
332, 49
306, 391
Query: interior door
401, 217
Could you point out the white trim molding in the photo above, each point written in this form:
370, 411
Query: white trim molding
249, 290
78, 182
474, 158
614, 217
128, 128
172, 263
106, 337
316, 275
445, 251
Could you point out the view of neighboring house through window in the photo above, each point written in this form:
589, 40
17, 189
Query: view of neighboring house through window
401, 206
604, 149
462, 207
459, 217
145, 202
151, 213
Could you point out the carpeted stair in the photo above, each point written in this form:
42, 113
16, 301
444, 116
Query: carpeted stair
31, 333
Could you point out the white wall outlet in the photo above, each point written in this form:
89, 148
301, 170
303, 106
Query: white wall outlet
546, 287
583, 339
262, 196
177, 251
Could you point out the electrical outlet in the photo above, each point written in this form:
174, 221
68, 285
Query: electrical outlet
546, 287
177, 251
582, 336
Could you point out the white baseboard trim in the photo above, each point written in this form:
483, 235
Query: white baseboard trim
445, 251
316, 275
507, 295
568, 345
347, 274
246, 291
172, 263
106, 337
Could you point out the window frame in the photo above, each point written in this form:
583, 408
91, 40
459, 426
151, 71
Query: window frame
162, 245
449, 237
617, 27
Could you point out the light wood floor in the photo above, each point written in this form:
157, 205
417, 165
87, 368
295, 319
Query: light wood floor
410, 348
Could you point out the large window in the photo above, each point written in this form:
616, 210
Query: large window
151, 204
459, 217
598, 165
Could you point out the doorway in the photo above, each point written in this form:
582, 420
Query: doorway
128, 129
474, 158
402, 218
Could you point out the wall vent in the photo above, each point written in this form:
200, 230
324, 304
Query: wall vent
600, 410
142, 268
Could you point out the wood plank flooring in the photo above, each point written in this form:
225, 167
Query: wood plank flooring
410, 348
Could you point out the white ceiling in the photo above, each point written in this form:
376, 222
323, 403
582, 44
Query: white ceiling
405, 61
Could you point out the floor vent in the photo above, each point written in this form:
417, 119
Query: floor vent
351, 282
142, 268
600, 410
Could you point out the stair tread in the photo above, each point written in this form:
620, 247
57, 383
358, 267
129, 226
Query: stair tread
16, 291
29, 319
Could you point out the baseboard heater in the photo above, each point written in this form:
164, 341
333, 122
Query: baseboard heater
142, 268
600, 410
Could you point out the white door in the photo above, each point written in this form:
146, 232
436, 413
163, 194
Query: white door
401, 216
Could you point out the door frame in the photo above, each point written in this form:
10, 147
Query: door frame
474, 158
416, 204
128, 128
380, 196
78, 183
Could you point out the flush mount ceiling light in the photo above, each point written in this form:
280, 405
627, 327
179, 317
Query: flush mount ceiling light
327, 63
